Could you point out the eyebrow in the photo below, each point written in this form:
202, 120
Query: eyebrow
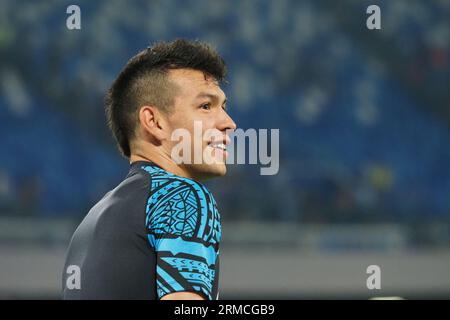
211, 96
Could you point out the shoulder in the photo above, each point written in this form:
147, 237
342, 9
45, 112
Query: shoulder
180, 206
166, 185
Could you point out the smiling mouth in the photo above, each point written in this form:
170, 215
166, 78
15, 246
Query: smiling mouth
218, 145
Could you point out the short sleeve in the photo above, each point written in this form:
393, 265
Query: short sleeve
183, 226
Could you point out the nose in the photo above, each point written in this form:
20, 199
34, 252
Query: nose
226, 122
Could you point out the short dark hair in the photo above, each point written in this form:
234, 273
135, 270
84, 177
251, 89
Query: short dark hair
144, 81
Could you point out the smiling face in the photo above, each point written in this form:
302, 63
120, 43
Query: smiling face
199, 108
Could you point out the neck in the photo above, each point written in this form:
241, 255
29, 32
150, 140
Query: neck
162, 161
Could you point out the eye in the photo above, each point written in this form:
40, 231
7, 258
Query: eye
205, 106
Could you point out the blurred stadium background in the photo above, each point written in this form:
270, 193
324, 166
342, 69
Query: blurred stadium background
364, 119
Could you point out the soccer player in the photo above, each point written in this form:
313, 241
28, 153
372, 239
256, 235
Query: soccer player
156, 235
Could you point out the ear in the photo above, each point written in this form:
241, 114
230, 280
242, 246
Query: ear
153, 124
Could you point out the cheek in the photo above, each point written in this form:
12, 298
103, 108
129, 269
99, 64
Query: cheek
210, 130
208, 122
181, 120
195, 123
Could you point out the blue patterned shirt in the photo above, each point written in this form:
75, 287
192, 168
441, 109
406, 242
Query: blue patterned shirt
155, 233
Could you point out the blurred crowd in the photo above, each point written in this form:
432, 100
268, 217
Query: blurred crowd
364, 115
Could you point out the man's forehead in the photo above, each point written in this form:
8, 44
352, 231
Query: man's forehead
193, 79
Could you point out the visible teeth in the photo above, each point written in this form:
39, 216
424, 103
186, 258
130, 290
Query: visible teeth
219, 146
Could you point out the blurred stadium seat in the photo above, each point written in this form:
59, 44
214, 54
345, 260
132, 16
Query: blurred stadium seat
346, 115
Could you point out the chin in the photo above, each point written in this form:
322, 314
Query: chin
203, 172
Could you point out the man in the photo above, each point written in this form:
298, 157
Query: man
156, 235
